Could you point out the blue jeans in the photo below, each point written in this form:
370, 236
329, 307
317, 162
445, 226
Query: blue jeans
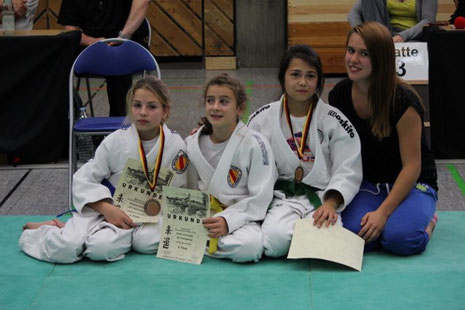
404, 232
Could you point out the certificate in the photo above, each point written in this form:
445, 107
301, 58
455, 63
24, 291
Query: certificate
333, 243
134, 196
183, 236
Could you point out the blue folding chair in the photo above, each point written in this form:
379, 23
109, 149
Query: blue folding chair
146, 23
102, 59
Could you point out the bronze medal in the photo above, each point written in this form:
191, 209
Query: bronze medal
299, 171
143, 159
152, 207
299, 174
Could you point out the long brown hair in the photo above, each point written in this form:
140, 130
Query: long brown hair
384, 81
223, 79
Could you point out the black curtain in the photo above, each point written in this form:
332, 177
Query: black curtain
446, 50
34, 73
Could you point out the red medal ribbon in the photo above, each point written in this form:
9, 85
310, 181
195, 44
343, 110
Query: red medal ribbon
143, 160
301, 147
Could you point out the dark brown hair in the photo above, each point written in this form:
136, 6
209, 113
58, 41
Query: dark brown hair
310, 56
223, 79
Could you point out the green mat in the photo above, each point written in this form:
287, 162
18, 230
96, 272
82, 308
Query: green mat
433, 280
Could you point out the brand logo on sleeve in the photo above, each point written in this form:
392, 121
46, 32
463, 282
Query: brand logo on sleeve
344, 123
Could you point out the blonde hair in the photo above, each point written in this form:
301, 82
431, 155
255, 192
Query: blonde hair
156, 87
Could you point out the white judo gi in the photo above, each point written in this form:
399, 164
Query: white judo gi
243, 181
337, 166
87, 233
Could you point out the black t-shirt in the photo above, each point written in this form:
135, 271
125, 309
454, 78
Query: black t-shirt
98, 18
381, 158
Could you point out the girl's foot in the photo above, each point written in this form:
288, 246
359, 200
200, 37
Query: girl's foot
432, 224
35, 225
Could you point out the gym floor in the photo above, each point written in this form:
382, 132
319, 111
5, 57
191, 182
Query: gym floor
432, 280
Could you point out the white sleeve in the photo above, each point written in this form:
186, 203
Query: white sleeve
346, 171
87, 180
261, 178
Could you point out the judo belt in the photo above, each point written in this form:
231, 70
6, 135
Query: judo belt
291, 188
215, 206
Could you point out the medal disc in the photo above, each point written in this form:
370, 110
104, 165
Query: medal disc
152, 207
299, 174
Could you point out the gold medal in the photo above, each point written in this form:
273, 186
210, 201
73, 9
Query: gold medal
299, 174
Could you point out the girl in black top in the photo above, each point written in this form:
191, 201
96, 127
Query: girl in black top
395, 207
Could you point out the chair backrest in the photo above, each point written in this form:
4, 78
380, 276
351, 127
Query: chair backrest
103, 59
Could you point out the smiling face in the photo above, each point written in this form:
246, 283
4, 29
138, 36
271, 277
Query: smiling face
221, 108
300, 81
147, 112
357, 59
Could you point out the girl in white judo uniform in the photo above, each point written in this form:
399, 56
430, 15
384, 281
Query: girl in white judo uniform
235, 165
316, 148
99, 230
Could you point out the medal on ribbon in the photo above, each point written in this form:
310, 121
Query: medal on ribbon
299, 171
143, 159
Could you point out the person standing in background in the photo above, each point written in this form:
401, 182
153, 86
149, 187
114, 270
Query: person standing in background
24, 13
100, 19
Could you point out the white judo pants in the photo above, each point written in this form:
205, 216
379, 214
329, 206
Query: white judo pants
87, 234
242, 245
279, 223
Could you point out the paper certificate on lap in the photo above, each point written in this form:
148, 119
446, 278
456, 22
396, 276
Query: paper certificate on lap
183, 236
333, 243
133, 194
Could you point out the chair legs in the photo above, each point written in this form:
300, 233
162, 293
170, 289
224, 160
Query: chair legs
72, 168
89, 94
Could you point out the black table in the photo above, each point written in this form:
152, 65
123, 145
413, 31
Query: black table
34, 73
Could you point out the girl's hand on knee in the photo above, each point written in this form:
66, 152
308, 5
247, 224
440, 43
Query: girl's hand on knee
113, 214
326, 212
216, 226
372, 225
117, 217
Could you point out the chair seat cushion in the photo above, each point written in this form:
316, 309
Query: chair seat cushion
99, 124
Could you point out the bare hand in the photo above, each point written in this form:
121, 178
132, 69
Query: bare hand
117, 217
88, 40
326, 212
216, 226
113, 214
397, 39
372, 225
19, 7
193, 131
